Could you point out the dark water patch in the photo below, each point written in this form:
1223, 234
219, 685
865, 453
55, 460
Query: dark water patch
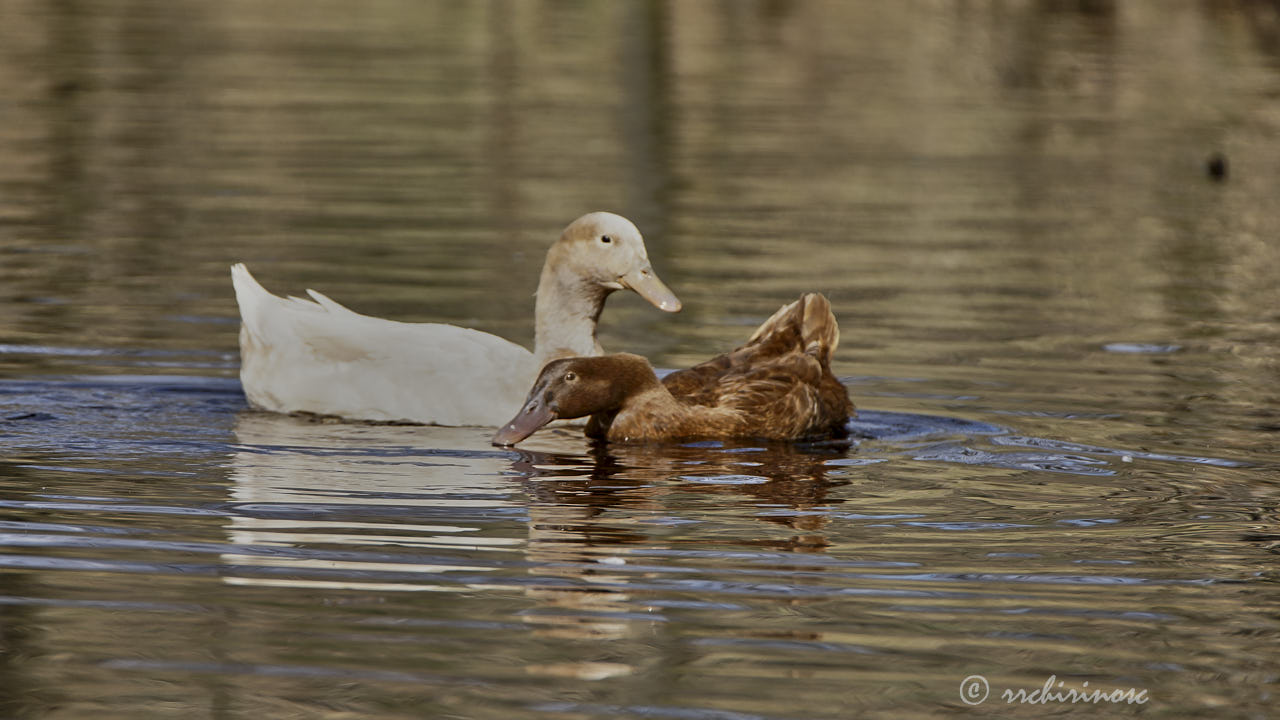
1088, 522
67, 528
57, 564
898, 426
1100, 614
103, 420
73, 469
1024, 441
112, 509
29, 417
114, 357
966, 455
116, 605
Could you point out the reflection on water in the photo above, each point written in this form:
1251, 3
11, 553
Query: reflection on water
290, 553
305, 484
1060, 330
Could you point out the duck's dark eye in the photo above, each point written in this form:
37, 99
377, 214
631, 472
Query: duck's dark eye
570, 376
606, 239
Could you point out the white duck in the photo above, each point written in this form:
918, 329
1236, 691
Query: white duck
319, 357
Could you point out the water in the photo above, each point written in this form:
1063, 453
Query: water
1061, 332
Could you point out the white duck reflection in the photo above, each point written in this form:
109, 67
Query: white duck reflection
302, 484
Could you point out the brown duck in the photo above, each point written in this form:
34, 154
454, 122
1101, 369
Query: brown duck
778, 386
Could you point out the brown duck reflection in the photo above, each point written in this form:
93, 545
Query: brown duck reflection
789, 479
596, 524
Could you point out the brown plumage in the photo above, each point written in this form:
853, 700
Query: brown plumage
777, 386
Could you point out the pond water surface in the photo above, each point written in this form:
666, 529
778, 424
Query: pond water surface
1061, 329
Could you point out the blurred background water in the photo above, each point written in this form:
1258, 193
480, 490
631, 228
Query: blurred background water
1061, 327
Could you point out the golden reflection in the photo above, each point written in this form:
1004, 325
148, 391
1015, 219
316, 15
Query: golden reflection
586, 519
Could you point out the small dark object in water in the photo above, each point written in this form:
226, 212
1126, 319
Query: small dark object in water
30, 416
1217, 166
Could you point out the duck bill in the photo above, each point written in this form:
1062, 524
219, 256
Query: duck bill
532, 416
644, 281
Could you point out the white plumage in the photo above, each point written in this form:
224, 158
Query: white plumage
317, 356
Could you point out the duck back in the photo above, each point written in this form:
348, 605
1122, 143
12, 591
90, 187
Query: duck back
321, 358
778, 385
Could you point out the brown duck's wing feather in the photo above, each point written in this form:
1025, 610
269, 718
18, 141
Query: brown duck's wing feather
779, 384
807, 322
697, 384
790, 397
805, 326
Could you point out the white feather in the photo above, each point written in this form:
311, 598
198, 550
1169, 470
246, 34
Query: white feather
316, 356
322, 358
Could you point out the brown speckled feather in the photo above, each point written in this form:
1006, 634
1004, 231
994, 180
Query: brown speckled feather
778, 385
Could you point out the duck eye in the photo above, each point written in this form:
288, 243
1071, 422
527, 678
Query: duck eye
570, 376
606, 239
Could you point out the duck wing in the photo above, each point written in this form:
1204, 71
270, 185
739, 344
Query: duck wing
316, 356
787, 396
807, 323
780, 381
804, 327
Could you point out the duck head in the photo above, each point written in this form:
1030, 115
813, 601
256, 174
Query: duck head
607, 250
577, 387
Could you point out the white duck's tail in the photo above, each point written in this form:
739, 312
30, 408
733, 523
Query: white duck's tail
261, 312
251, 297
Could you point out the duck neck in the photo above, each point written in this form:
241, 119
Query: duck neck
645, 406
566, 311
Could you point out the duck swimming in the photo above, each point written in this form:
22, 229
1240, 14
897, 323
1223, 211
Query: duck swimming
778, 386
316, 356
